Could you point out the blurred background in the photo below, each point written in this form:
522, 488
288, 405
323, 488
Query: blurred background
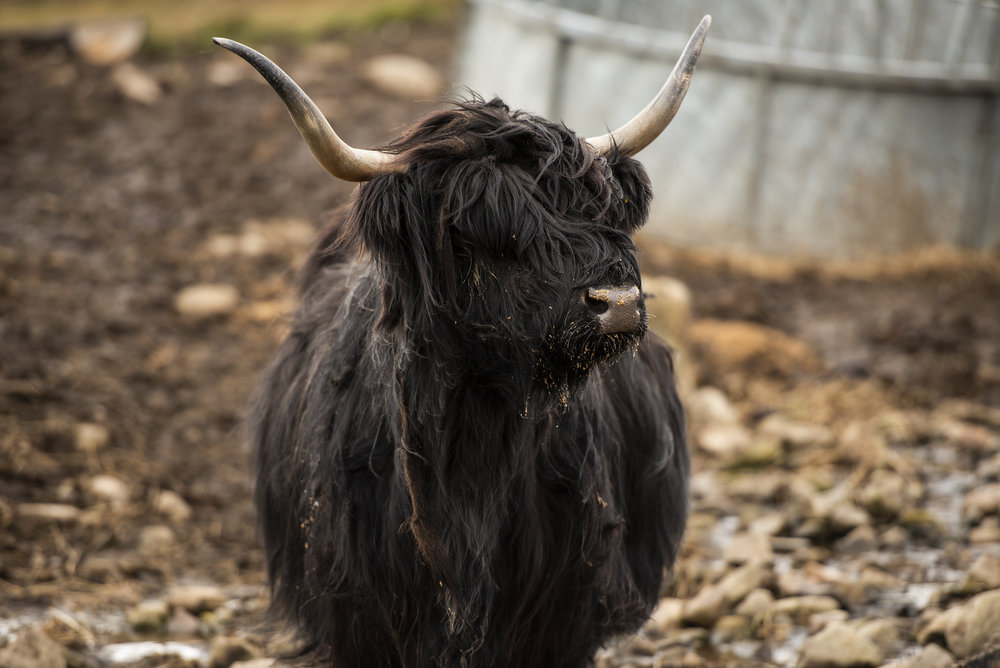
822, 255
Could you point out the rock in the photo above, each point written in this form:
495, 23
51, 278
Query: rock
861, 444
838, 645
156, 540
668, 303
885, 494
971, 437
860, 539
934, 630
206, 299
225, 71
799, 608
108, 488
983, 574
196, 598
48, 512
715, 600
148, 617
982, 501
889, 634
752, 348
727, 441
136, 85
228, 650
756, 603
988, 532
794, 434
67, 630
32, 648
975, 625
182, 623
747, 547
107, 41
404, 76
667, 615
255, 663
89, 437
171, 505
731, 628
708, 405
931, 656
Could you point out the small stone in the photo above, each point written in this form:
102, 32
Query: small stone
975, 626
255, 663
108, 41
48, 512
108, 488
715, 600
861, 444
886, 494
228, 650
206, 299
404, 76
836, 646
182, 623
708, 405
196, 598
818, 621
931, 656
756, 603
136, 85
889, 634
67, 630
987, 533
32, 648
172, 505
982, 501
668, 304
727, 441
90, 437
148, 617
794, 434
983, 574
667, 615
731, 628
747, 547
156, 540
860, 539
224, 72
893, 537
799, 608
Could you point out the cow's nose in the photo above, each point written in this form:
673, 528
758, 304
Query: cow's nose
615, 308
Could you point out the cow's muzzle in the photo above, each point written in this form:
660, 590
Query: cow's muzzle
615, 308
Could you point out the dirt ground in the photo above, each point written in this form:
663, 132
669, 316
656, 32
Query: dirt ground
121, 412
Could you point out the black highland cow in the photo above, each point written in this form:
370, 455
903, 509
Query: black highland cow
469, 451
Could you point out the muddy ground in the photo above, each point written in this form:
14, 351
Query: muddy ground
123, 478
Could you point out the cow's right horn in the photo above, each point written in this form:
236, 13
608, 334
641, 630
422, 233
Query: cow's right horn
332, 152
635, 135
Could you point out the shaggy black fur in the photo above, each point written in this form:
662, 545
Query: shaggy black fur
454, 466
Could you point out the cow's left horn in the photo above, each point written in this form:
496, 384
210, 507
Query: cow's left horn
650, 122
332, 152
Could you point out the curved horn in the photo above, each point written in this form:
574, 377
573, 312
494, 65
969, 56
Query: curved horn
650, 122
335, 155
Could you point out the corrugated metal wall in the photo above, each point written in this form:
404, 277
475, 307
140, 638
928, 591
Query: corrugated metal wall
812, 127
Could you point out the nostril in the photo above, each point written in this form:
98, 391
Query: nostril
596, 306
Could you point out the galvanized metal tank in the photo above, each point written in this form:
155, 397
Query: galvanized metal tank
824, 128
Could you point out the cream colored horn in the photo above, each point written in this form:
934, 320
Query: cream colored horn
335, 155
651, 121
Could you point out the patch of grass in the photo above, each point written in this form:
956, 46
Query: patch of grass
190, 24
